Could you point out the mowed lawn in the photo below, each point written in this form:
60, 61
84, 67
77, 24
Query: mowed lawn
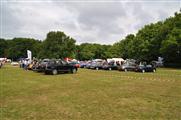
90, 95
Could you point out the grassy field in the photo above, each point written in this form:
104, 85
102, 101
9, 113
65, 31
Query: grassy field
90, 95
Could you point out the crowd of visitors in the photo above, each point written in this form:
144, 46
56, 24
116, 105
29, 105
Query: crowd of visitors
27, 64
2, 62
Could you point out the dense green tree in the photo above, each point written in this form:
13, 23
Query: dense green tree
171, 46
86, 51
57, 45
3, 47
127, 47
159, 39
89, 51
17, 47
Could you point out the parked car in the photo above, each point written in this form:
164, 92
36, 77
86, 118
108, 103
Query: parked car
56, 66
96, 65
83, 64
14, 63
88, 65
40, 66
127, 67
157, 63
145, 68
110, 66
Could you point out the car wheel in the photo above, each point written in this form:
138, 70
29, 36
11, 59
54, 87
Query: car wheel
110, 68
154, 70
54, 72
125, 70
97, 68
143, 71
73, 70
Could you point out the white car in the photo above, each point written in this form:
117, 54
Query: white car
15, 64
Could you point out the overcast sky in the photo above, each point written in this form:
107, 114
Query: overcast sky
94, 21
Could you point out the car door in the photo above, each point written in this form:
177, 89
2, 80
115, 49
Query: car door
65, 66
130, 67
59, 65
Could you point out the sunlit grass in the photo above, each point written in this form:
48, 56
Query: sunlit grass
90, 95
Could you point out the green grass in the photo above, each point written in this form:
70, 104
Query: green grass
90, 95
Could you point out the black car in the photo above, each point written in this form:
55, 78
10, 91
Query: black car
110, 66
56, 66
127, 67
145, 68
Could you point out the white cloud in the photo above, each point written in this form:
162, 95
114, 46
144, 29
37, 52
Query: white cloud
101, 22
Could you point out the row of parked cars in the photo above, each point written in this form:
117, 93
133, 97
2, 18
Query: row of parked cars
53, 66
127, 65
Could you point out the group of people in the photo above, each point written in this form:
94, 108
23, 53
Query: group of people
27, 64
24, 63
2, 62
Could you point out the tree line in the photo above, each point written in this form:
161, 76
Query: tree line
153, 40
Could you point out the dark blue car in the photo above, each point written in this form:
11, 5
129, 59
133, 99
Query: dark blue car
145, 68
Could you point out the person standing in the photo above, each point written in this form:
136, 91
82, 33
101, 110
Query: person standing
25, 64
1, 64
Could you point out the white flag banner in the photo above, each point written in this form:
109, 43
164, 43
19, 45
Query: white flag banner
29, 54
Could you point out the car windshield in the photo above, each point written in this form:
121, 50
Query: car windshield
94, 63
126, 64
44, 60
99, 63
52, 62
141, 65
105, 63
74, 62
111, 63
64, 62
148, 66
